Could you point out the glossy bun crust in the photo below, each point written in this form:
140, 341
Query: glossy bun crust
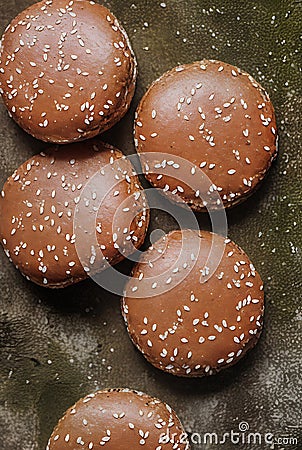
49, 216
219, 119
119, 419
67, 70
194, 317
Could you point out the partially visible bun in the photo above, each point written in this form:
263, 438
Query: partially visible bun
50, 219
119, 419
67, 70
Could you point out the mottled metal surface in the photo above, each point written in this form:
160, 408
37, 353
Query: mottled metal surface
59, 345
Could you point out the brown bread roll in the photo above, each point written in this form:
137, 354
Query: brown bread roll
215, 116
187, 315
67, 70
53, 209
119, 419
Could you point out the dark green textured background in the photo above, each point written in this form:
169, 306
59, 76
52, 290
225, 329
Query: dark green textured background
56, 346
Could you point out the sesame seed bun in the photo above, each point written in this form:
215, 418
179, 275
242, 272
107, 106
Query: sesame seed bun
52, 207
203, 324
217, 117
67, 70
119, 419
